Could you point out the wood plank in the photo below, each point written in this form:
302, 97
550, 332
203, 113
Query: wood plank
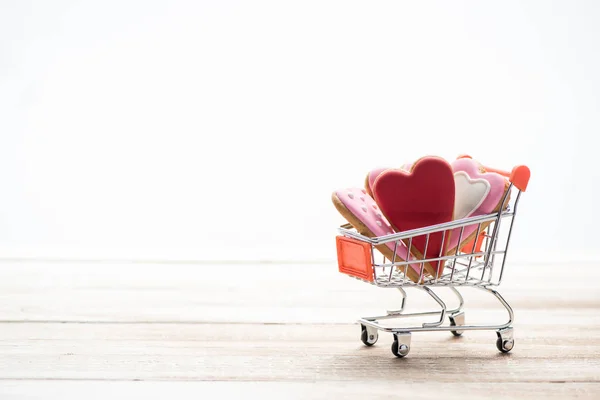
247, 293
287, 330
91, 390
284, 353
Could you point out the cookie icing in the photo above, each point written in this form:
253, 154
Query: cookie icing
366, 210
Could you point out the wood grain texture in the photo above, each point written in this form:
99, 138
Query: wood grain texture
73, 330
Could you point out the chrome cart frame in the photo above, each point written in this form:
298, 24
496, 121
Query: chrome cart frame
479, 264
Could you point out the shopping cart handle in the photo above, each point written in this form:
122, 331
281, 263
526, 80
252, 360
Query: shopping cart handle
519, 176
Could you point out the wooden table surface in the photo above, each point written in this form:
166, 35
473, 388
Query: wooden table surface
91, 330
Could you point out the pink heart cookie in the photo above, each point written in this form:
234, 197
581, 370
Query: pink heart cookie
361, 211
373, 174
477, 193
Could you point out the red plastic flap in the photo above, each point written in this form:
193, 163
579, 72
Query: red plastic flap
474, 246
354, 258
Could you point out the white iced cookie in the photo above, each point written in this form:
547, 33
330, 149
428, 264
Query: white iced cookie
470, 194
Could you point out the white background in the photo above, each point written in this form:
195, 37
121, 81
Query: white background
218, 129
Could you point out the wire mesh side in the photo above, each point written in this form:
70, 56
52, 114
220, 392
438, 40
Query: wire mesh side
479, 261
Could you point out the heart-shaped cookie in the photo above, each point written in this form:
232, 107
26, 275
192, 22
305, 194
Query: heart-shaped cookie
477, 193
361, 211
470, 194
370, 179
373, 174
416, 199
491, 202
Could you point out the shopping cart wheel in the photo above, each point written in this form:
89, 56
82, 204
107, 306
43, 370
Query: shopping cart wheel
505, 345
457, 319
401, 344
505, 341
368, 335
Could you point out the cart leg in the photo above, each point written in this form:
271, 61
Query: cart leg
401, 344
461, 301
505, 341
441, 303
511, 314
399, 311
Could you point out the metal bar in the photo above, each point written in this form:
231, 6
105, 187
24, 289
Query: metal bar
438, 270
424, 256
408, 255
371, 321
491, 245
445, 258
456, 251
425, 230
399, 311
497, 232
441, 303
393, 260
373, 261
460, 299
438, 228
472, 282
508, 238
393, 316
433, 329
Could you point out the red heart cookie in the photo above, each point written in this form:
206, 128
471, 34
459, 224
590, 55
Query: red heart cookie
416, 199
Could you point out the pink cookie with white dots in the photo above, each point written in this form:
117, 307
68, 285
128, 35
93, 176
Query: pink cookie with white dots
361, 211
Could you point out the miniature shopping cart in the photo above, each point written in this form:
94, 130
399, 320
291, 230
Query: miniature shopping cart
478, 264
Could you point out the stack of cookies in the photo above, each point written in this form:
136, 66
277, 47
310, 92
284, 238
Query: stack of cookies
428, 192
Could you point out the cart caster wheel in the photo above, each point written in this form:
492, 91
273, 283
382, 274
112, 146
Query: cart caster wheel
401, 349
368, 336
505, 345
457, 319
505, 341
